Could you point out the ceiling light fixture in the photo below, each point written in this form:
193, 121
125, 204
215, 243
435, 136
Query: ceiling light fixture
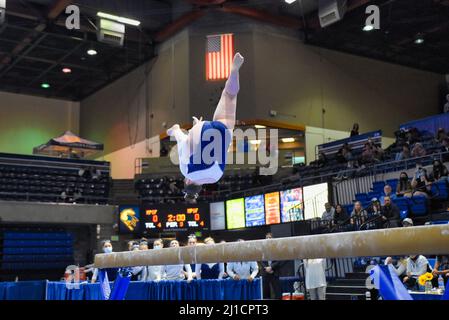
92, 52
108, 16
45, 85
419, 38
368, 28
288, 140
66, 70
289, 1
258, 126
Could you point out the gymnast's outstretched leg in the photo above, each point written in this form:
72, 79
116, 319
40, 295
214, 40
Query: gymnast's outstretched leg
226, 108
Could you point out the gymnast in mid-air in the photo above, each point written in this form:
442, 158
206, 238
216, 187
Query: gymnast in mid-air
202, 151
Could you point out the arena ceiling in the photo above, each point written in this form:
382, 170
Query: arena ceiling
35, 45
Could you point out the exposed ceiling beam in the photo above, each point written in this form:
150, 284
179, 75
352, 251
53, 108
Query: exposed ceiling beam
178, 25
57, 8
264, 16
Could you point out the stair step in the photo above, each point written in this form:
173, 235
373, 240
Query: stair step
348, 282
345, 296
356, 275
346, 289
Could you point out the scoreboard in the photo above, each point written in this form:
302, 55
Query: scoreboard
175, 218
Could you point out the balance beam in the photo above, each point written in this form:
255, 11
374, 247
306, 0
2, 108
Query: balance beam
386, 242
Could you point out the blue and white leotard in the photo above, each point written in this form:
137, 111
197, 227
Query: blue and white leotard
202, 158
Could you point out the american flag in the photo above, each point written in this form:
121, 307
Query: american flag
220, 51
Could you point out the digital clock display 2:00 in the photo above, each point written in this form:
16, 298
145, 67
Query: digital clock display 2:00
176, 218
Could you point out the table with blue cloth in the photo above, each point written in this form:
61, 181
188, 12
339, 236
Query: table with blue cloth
425, 296
23, 290
164, 290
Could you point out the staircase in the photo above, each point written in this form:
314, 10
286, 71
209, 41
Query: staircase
123, 192
352, 287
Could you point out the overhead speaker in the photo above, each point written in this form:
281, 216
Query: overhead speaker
111, 32
331, 11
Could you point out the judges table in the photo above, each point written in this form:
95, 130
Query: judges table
163, 290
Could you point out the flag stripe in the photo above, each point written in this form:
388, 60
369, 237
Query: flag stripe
220, 51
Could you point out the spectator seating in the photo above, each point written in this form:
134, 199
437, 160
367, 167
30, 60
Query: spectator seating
45, 179
35, 250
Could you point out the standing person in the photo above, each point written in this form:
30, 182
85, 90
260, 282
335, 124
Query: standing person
270, 273
176, 272
316, 284
154, 273
111, 272
209, 270
355, 130
192, 241
197, 170
242, 270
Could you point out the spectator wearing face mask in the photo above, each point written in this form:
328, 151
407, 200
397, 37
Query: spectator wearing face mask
439, 171
404, 187
154, 273
441, 268
209, 271
176, 272
111, 272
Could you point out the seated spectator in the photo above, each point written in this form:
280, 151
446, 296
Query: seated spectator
367, 156
345, 155
355, 130
404, 187
320, 162
418, 150
445, 149
412, 136
439, 171
441, 268
404, 154
441, 135
390, 214
374, 214
407, 222
420, 182
401, 266
388, 192
358, 215
191, 242
328, 214
417, 265
341, 217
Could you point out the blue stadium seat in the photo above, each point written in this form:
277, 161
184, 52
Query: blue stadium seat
378, 186
418, 205
393, 183
403, 205
440, 190
362, 197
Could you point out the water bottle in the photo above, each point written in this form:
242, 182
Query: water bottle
441, 284
368, 295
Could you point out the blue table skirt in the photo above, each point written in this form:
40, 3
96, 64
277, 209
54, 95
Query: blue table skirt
417, 296
165, 290
24, 290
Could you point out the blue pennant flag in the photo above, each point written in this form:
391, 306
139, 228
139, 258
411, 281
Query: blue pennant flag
121, 284
389, 285
105, 287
